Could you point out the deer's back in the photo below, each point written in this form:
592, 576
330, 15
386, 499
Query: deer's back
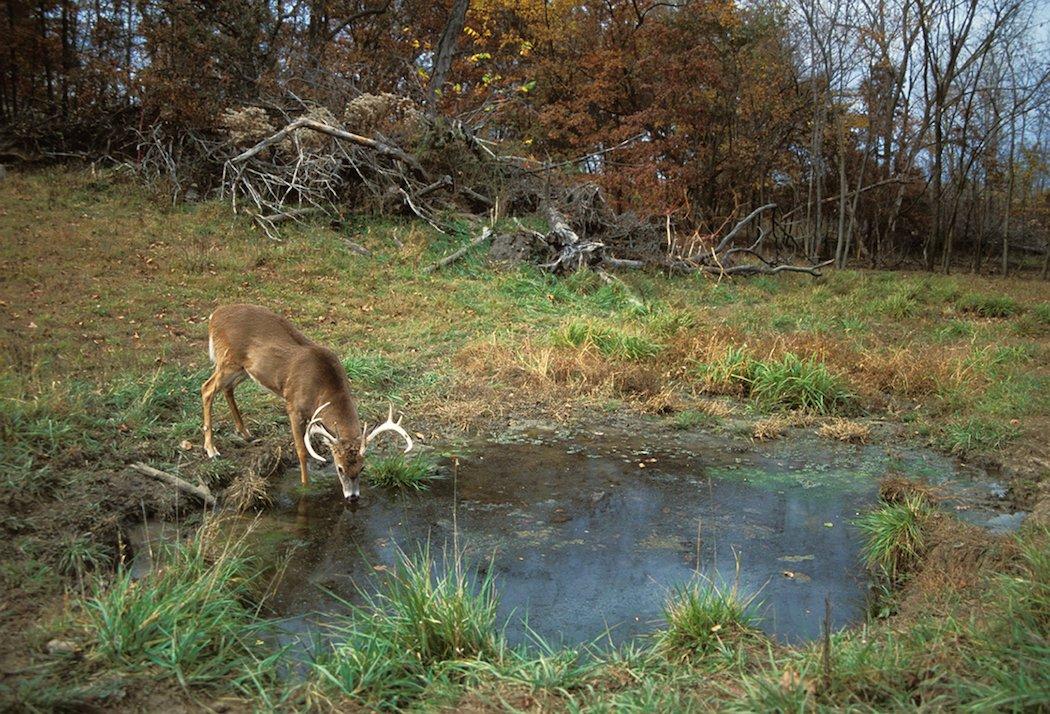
246, 334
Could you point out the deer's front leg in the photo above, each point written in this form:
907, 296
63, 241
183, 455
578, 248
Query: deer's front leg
207, 395
298, 422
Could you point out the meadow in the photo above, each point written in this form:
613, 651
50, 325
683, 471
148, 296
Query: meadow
105, 296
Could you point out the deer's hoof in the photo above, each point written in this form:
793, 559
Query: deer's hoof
213, 453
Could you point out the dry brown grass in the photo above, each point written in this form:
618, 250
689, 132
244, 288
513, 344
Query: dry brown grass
958, 557
770, 428
915, 373
851, 432
715, 407
247, 491
896, 489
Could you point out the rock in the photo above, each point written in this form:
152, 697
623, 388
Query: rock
520, 247
63, 648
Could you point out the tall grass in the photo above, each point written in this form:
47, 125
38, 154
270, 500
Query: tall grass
787, 382
794, 383
703, 618
192, 618
423, 621
895, 535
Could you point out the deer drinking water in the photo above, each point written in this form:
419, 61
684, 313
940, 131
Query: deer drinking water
250, 341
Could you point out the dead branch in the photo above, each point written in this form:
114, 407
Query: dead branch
752, 269
305, 123
448, 260
736, 229
201, 493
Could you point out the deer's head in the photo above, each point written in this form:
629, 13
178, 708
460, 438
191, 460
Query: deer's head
348, 452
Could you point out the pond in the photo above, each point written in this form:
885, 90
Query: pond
587, 533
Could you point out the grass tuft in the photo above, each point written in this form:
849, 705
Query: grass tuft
794, 383
895, 535
610, 341
976, 434
703, 618
397, 471
425, 617
988, 305
191, 618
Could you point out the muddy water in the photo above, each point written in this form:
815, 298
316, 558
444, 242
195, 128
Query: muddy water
586, 535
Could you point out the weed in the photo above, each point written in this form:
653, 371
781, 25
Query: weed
691, 418
397, 471
190, 618
988, 305
976, 434
895, 535
794, 383
703, 618
610, 341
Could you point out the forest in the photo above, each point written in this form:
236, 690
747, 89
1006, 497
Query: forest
883, 133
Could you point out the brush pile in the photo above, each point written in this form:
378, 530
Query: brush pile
384, 154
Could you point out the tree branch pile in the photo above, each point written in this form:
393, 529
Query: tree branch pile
385, 155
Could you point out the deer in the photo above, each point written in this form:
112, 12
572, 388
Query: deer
249, 341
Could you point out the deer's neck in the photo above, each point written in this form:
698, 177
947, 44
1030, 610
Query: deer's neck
340, 416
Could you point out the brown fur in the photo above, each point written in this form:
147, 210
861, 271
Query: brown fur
251, 341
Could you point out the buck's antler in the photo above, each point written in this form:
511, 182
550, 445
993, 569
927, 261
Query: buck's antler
314, 426
388, 425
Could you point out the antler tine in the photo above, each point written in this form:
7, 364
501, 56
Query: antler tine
391, 425
314, 426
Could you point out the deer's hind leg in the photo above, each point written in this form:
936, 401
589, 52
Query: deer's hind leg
237, 420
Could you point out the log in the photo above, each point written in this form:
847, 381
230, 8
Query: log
184, 486
448, 260
304, 123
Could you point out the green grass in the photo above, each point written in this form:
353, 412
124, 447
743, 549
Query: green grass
191, 618
400, 472
976, 434
112, 371
425, 617
794, 383
80, 556
368, 370
894, 535
609, 341
705, 618
690, 419
989, 305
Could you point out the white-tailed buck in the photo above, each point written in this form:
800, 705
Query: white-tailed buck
250, 341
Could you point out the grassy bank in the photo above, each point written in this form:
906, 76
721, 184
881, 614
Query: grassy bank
105, 299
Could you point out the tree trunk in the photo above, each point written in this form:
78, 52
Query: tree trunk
446, 48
